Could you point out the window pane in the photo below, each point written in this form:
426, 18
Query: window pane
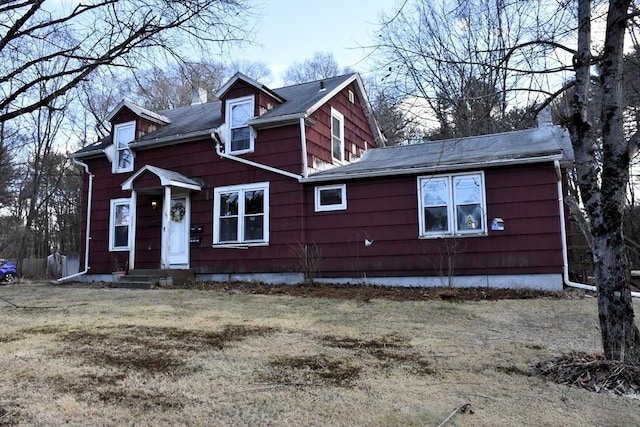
436, 219
124, 136
469, 217
240, 139
253, 227
122, 215
332, 196
228, 204
254, 202
435, 192
121, 237
335, 126
467, 190
229, 229
240, 114
124, 159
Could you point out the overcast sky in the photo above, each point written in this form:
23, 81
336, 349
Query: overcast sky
291, 31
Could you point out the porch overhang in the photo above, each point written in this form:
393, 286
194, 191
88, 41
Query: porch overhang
168, 178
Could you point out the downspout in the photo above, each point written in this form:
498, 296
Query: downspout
216, 139
88, 228
303, 142
563, 232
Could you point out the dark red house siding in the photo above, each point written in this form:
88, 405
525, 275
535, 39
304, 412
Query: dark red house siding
381, 209
385, 210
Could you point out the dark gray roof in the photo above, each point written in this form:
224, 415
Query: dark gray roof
196, 121
303, 97
524, 146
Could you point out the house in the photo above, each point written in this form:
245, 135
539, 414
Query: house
275, 184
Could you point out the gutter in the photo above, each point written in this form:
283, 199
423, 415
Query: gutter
303, 142
216, 139
329, 176
88, 230
563, 232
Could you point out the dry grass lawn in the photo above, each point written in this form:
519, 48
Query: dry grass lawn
113, 357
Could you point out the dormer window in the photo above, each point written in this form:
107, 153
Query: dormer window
240, 138
123, 133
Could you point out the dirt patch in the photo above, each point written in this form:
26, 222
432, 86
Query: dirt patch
155, 349
390, 351
318, 370
369, 292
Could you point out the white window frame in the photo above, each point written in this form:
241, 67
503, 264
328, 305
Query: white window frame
116, 140
453, 230
335, 114
241, 189
228, 119
112, 224
331, 207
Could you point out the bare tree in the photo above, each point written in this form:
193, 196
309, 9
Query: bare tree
321, 66
603, 181
161, 88
71, 44
455, 57
533, 54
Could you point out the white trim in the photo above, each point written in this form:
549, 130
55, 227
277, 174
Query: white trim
372, 172
338, 115
241, 189
228, 120
452, 222
112, 210
335, 207
167, 178
115, 167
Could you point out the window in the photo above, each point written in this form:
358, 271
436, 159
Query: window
337, 135
241, 214
331, 198
119, 225
239, 112
452, 205
124, 134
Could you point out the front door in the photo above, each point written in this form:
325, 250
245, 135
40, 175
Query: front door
179, 232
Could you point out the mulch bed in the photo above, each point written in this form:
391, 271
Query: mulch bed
369, 292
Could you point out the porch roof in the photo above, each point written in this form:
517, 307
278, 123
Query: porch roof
167, 178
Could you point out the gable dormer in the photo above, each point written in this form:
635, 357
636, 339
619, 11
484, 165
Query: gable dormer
243, 99
129, 122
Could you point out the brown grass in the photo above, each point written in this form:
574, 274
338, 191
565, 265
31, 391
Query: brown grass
116, 357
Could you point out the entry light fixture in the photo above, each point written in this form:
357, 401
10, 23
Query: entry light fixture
154, 203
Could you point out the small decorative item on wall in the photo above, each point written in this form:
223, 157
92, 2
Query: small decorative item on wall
177, 212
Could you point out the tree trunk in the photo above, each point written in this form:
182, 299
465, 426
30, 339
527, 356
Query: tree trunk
603, 189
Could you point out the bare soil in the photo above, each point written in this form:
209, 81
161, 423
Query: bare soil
369, 292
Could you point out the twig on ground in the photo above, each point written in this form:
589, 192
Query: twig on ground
276, 385
464, 408
25, 307
6, 414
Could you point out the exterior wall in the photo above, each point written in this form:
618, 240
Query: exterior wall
385, 211
357, 134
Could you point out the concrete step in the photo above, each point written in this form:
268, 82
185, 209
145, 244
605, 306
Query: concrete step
130, 284
159, 276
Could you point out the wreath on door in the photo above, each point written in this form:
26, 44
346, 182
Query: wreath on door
177, 212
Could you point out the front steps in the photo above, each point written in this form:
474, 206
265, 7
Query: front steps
151, 278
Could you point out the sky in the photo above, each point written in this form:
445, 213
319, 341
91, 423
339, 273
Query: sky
290, 31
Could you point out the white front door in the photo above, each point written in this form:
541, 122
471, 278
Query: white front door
179, 232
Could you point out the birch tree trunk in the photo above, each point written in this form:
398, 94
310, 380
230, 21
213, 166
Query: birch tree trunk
603, 184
